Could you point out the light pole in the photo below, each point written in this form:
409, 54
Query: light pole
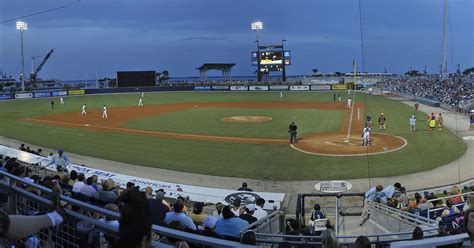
283, 74
22, 26
257, 26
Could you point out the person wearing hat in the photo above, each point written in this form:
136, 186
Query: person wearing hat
292, 130
60, 159
247, 215
412, 123
382, 120
157, 208
209, 224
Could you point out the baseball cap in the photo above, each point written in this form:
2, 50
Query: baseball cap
210, 221
250, 207
159, 195
60, 150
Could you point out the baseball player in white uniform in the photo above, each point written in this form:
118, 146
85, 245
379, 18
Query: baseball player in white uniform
143, 94
140, 101
62, 100
281, 94
366, 136
349, 103
84, 107
104, 112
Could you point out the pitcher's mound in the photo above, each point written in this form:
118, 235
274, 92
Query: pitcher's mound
334, 144
245, 118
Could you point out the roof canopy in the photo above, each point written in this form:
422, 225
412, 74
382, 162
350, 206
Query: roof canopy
215, 66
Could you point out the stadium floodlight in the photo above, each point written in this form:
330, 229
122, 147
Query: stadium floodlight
258, 25
22, 26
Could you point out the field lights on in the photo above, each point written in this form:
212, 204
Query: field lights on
258, 25
22, 26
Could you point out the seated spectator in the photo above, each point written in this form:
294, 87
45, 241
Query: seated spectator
163, 198
236, 207
76, 187
88, 189
95, 178
148, 192
230, 225
22, 147
39, 151
63, 176
260, 213
176, 225
134, 226
470, 202
248, 238
197, 216
291, 228
403, 200
456, 197
110, 220
107, 194
244, 188
247, 215
414, 203
362, 242
317, 213
449, 209
329, 239
469, 224
158, 209
424, 204
185, 209
417, 233
178, 215
209, 225
218, 211
72, 178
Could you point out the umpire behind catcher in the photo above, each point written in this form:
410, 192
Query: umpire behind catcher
292, 130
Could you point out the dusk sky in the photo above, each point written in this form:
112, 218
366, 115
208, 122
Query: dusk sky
105, 36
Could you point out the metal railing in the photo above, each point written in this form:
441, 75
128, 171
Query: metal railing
431, 211
450, 241
396, 220
32, 199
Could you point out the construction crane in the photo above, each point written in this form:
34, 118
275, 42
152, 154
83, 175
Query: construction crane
34, 74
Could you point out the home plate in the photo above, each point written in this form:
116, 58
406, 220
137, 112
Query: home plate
86, 125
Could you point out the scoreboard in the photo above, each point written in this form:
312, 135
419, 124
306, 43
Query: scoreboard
136, 78
271, 60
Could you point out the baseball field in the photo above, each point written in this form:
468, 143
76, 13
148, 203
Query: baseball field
236, 134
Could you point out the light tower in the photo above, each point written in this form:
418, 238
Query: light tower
22, 27
257, 26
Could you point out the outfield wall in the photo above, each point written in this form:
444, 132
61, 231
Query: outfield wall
58, 93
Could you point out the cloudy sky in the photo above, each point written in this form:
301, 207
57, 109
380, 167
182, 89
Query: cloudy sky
103, 36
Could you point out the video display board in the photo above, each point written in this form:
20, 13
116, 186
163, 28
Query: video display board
136, 78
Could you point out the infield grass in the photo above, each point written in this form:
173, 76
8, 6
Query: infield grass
425, 150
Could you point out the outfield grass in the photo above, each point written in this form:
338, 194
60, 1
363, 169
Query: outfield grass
425, 150
208, 121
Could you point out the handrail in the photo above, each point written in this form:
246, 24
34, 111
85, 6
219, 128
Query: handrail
432, 242
406, 215
430, 210
158, 229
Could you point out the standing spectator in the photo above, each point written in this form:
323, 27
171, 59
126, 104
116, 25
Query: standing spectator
247, 215
259, 212
244, 188
229, 225
417, 105
178, 215
158, 210
76, 187
432, 122
412, 123
371, 195
388, 193
382, 120
60, 159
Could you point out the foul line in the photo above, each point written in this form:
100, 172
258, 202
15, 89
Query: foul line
405, 143
168, 134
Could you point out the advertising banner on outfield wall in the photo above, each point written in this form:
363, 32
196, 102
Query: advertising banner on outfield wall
258, 88
202, 87
59, 93
173, 190
339, 87
6, 96
320, 87
23, 95
278, 87
77, 92
299, 87
218, 87
41, 94
241, 88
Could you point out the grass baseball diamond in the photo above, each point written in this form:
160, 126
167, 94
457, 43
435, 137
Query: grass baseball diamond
237, 134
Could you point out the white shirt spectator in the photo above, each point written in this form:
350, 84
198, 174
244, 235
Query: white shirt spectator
259, 213
77, 186
89, 191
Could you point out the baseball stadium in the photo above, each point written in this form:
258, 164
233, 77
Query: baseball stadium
143, 157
